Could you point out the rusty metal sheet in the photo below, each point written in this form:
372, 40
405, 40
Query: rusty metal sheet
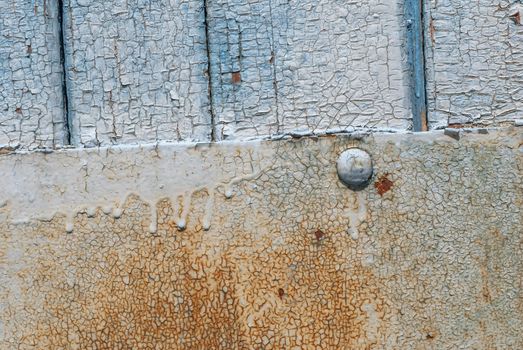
260, 246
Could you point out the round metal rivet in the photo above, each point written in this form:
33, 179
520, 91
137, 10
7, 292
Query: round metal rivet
355, 168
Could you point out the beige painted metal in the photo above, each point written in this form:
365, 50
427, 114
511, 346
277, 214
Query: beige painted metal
260, 246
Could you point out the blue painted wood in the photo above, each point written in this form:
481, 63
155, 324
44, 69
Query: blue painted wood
416, 61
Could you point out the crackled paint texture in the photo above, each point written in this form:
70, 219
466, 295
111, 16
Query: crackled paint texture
474, 61
136, 71
144, 71
31, 100
274, 251
284, 66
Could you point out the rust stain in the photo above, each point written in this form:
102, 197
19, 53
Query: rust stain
175, 290
7, 150
236, 77
383, 185
473, 125
319, 234
431, 333
460, 125
432, 30
424, 126
516, 17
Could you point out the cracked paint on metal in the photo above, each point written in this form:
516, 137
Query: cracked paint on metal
291, 258
474, 62
136, 71
31, 101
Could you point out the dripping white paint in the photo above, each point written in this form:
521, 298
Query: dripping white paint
84, 180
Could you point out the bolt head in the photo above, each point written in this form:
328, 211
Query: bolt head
355, 168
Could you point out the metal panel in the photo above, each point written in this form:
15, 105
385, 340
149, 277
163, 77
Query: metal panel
259, 245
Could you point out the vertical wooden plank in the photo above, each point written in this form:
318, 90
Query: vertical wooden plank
416, 61
307, 66
136, 71
474, 56
31, 101
241, 56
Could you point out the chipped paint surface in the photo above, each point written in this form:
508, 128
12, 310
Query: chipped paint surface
474, 61
193, 70
31, 101
307, 66
274, 251
136, 71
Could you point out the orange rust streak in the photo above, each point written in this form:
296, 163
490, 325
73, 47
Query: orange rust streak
424, 126
169, 292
